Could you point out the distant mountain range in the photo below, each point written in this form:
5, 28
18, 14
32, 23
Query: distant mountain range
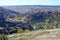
29, 7
24, 8
7, 11
32, 6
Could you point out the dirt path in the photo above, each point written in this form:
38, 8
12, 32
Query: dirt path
49, 36
52, 34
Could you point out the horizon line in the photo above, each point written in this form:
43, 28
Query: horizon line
29, 5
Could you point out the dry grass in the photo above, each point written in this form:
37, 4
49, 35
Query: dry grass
49, 36
52, 34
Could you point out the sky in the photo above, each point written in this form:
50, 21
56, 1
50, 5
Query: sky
29, 2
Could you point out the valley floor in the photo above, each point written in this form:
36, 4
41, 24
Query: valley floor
49, 34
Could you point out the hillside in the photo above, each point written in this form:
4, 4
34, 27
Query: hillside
31, 17
10, 22
44, 16
52, 34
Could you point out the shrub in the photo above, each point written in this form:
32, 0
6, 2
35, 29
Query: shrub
10, 16
20, 31
27, 30
3, 37
13, 29
38, 25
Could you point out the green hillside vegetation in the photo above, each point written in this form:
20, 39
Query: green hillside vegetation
3, 37
51, 21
